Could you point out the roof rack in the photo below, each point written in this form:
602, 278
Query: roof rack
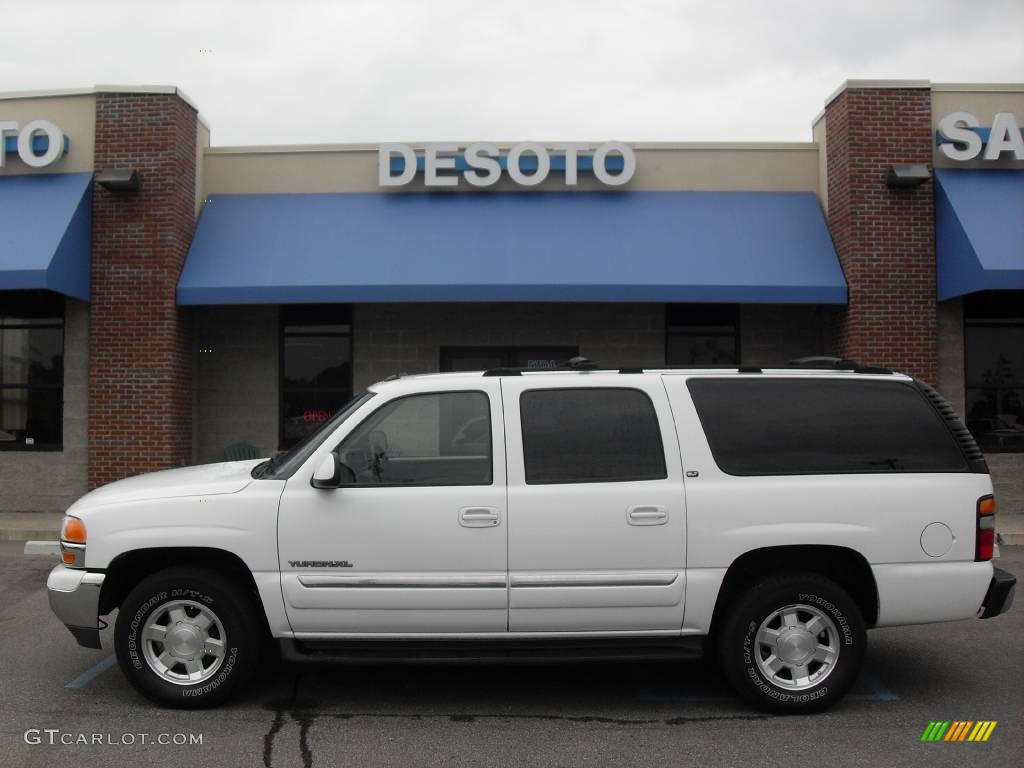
836, 364
578, 363
816, 362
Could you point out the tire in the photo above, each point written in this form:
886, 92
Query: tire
215, 623
812, 670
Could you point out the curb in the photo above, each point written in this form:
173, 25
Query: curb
42, 548
1011, 539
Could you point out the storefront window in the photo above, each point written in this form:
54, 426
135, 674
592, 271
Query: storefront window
31, 371
994, 375
702, 334
316, 367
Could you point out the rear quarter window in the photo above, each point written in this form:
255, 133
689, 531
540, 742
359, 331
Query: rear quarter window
822, 426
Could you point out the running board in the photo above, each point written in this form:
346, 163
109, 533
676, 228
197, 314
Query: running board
488, 652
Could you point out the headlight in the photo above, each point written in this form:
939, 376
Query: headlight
72, 542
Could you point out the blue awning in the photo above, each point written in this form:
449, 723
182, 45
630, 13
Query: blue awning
979, 231
513, 246
46, 233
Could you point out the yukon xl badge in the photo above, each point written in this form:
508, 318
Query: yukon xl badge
319, 563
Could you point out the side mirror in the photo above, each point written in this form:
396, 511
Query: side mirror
328, 474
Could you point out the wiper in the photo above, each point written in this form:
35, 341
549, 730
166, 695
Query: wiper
263, 468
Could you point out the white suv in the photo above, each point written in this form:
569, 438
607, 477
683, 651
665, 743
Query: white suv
770, 515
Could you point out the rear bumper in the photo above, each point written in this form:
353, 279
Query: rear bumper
999, 597
75, 600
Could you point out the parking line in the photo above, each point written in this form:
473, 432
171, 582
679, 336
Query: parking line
97, 669
881, 693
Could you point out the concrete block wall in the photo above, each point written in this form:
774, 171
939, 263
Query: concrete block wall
771, 334
236, 379
49, 481
236, 382
393, 338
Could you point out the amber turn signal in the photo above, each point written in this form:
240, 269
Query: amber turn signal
73, 530
69, 558
987, 505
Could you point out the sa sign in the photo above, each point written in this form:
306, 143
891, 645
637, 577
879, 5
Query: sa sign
961, 137
26, 134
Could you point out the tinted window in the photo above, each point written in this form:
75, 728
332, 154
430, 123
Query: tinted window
590, 436
31, 371
762, 426
437, 439
316, 367
702, 334
994, 369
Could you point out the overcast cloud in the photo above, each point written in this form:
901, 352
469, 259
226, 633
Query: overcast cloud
370, 70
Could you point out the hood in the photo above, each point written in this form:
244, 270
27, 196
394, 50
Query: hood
202, 480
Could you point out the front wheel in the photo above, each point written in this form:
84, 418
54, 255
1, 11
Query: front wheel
793, 643
187, 637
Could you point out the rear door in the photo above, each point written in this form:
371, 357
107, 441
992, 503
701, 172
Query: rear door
596, 505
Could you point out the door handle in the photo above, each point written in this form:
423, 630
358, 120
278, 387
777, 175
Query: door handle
646, 515
479, 517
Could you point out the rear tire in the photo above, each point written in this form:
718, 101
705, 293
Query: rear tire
793, 643
188, 637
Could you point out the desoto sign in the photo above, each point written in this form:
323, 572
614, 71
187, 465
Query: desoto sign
39, 143
961, 137
482, 164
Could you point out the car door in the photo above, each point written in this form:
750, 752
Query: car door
415, 542
596, 505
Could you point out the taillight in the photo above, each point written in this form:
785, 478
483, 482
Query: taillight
985, 538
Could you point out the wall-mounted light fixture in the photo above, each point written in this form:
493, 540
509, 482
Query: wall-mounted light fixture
907, 175
119, 179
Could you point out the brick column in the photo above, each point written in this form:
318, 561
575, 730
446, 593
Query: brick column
139, 353
885, 237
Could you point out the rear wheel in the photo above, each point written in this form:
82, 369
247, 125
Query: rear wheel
187, 637
793, 643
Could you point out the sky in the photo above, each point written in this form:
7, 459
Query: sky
338, 71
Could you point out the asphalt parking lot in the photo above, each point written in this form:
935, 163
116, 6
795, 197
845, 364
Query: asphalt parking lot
665, 714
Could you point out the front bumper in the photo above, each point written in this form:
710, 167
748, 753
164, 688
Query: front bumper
75, 600
999, 597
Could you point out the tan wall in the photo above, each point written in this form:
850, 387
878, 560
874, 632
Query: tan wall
768, 167
820, 134
202, 144
75, 115
982, 102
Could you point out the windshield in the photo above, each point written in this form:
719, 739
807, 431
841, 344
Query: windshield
283, 466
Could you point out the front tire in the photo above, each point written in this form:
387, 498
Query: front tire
187, 637
793, 643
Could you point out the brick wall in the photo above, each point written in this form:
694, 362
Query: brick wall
139, 360
885, 237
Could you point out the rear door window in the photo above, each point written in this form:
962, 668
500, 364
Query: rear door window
763, 426
592, 435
